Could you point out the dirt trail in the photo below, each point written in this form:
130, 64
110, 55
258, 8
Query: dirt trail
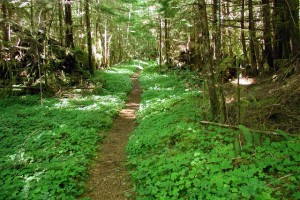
109, 179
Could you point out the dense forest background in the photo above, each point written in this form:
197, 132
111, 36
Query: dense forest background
47, 45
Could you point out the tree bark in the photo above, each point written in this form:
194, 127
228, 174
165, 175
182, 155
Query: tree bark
69, 24
294, 21
6, 26
246, 61
267, 34
217, 29
60, 20
105, 44
160, 41
89, 35
129, 56
167, 42
252, 38
214, 102
31, 16
282, 30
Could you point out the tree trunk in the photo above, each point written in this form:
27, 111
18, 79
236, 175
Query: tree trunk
89, 36
128, 36
31, 16
217, 54
228, 31
214, 102
282, 30
6, 26
105, 44
167, 42
294, 21
246, 61
217, 29
267, 33
60, 20
69, 24
160, 41
252, 38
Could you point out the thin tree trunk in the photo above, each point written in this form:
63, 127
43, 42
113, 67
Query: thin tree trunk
31, 16
60, 20
160, 41
217, 53
69, 24
6, 26
217, 29
82, 41
238, 92
89, 36
268, 51
228, 12
128, 36
246, 61
167, 44
214, 102
105, 55
253, 57
120, 57
294, 21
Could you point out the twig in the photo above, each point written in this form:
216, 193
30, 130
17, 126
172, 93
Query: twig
28, 137
283, 177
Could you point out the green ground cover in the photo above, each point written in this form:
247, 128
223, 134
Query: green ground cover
45, 151
172, 156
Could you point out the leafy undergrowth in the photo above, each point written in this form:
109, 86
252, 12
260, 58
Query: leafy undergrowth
45, 151
173, 156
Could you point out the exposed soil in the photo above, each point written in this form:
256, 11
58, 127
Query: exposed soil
109, 178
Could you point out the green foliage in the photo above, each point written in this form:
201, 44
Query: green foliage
117, 80
45, 151
174, 157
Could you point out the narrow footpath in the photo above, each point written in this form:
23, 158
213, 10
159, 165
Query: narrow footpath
109, 179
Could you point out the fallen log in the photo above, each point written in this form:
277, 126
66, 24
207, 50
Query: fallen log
251, 130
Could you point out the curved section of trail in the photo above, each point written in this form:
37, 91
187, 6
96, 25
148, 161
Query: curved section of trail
109, 179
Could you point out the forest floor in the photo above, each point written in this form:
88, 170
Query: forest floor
109, 178
267, 102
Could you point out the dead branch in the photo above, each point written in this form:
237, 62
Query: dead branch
237, 128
